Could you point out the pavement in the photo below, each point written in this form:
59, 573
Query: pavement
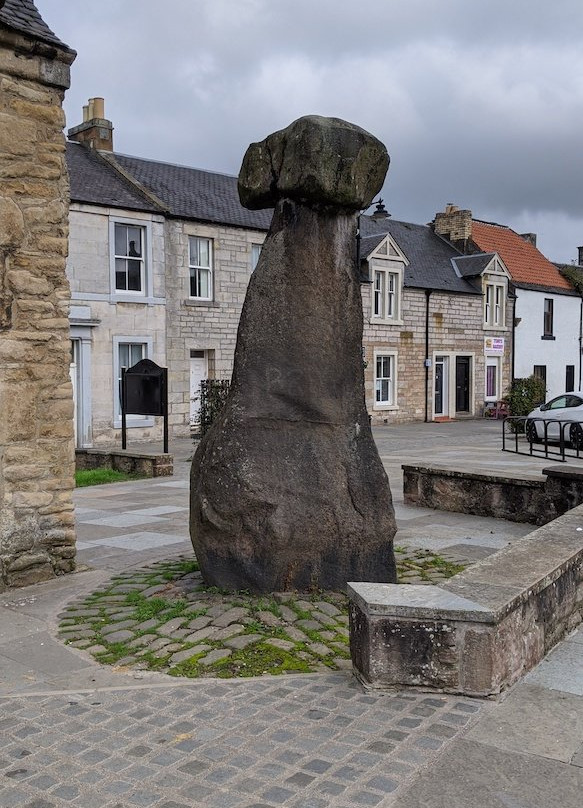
79, 733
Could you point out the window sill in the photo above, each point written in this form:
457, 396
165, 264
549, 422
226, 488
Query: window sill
380, 321
501, 328
140, 299
385, 407
209, 304
548, 336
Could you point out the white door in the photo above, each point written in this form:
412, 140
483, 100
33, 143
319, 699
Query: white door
198, 372
441, 397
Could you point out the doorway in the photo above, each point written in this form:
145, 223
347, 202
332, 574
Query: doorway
441, 397
198, 372
462, 384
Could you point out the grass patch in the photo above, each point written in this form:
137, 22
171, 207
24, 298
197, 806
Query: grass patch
424, 562
86, 477
146, 608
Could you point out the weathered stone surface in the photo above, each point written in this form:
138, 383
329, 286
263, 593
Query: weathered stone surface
36, 429
287, 488
315, 161
480, 631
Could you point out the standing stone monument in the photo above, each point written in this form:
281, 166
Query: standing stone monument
37, 538
287, 488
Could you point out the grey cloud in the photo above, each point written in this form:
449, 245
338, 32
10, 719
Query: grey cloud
480, 103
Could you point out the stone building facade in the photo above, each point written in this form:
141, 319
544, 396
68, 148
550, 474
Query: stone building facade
201, 334
547, 308
37, 537
184, 307
437, 324
433, 347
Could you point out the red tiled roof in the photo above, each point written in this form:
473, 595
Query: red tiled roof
524, 262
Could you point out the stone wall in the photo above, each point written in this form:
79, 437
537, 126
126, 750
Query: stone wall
478, 632
532, 499
37, 538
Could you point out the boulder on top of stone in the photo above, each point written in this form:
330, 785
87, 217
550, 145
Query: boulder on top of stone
315, 161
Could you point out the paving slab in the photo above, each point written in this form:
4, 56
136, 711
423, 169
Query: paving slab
475, 775
534, 720
562, 669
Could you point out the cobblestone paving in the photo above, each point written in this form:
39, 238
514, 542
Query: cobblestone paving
162, 618
315, 741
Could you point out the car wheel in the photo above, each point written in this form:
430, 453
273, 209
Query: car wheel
576, 436
531, 433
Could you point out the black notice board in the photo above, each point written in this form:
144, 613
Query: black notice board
144, 391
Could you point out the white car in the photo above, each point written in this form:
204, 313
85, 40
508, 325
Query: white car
564, 411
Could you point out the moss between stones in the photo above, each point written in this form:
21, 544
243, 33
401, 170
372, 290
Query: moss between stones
178, 593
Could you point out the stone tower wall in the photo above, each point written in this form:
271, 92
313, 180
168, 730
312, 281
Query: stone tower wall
37, 539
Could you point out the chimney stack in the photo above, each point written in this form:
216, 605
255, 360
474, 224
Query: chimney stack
530, 237
96, 131
455, 225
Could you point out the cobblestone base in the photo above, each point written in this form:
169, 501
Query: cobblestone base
163, 618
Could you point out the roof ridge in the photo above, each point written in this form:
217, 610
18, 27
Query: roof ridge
174, 165
494, 224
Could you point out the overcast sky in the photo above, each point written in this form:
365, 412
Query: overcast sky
479, 102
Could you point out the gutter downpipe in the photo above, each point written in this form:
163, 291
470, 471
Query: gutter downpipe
580, 338
427, 361
513, 357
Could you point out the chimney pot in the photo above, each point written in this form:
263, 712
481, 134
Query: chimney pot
85, 113
98, 108
580, 258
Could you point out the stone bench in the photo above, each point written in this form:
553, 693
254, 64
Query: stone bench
478, 632
142, 463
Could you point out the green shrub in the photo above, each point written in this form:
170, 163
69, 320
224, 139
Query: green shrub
525, 394
213, 394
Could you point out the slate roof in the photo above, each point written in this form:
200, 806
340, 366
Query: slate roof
430, 257
191, 193
23, 16
471, 266
528, 267
95, 182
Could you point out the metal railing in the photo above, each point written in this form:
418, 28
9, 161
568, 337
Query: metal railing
520, 435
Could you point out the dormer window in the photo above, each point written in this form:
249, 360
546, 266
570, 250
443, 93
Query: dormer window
387, 265
494, 304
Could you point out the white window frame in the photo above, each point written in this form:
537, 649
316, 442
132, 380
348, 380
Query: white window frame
493, 361
386, 292
195, 268
494, 304
125, 295
255, 253
391, 402
131, 420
